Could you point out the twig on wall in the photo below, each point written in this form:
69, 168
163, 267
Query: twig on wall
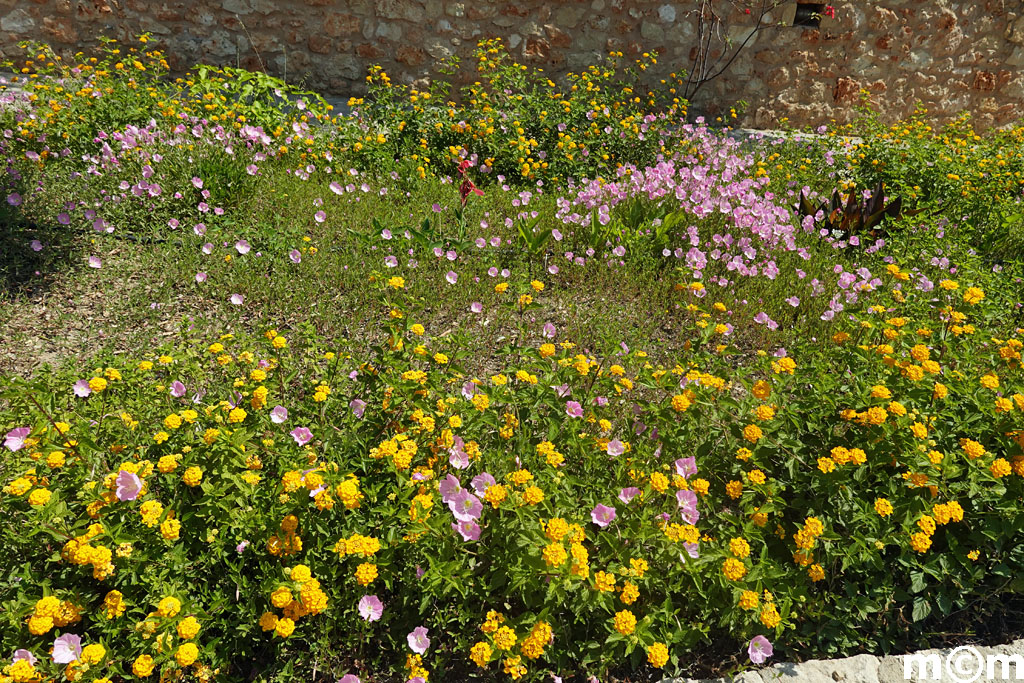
714, 52
248, 36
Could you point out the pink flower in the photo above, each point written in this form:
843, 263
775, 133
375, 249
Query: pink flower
457, 456
81, 388
95, 262
242, 247
336, 188
627, 494
348, 678
67, 648
465, 506
616, 448
470, 531
358, 407
476, 307
15, 438
548, 331
177, 389
26, 655
237, 299
449, 488
128, 485
320, 216
36, 246
370, 608
295, 256
686, 467
482, 482
279, 414
602, 515
301, 435
200, 278
687, 501
573, 409
418, 641
452, 277
759, 649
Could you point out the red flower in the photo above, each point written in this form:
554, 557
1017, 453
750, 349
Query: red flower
467, 187
830, 11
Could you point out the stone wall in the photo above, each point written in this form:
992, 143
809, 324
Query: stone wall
949, 54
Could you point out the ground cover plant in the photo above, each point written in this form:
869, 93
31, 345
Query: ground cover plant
546, 383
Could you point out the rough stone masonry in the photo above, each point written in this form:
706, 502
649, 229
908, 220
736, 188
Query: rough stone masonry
950, 55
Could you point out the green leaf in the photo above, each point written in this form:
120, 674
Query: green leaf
944, 602
922, 608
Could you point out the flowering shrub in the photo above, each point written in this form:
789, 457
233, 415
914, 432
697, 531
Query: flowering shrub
972, 177
122, 86
771, 438
233, 502
519, 123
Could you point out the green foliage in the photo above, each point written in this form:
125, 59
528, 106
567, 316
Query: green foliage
973, 177
896, 475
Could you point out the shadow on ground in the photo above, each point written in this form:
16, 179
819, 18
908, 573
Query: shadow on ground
31, 254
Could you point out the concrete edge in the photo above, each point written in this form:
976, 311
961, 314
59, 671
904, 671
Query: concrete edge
968, 663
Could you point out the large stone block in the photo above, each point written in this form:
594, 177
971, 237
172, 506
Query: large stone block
536, 49
847, 91
320, 43
651, 31
220, 44
19, 22
1015, 32
557, 36
339, 24
984, 81
411, 56
408, 10
438, 49
60, 29
568, 16
389, 31
1016, 57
